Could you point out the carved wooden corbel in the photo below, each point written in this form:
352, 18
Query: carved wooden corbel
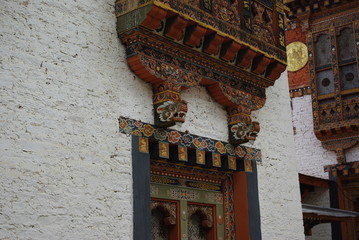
169, 109
172, 51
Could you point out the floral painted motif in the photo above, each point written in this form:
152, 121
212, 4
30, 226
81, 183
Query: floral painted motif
240, 152
174, 137
184, 194
160, 134
136, 133
186, 140
230, 149
147, 130
214, 197
170, 73
138, 124
200, 143
210, 145
123, 123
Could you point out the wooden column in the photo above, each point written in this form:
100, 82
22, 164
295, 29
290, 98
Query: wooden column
335, 203
141, 192
246, 205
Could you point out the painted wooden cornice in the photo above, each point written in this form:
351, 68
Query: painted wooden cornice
234, 49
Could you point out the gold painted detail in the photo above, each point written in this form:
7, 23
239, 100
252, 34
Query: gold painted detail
164, 150
232, 163
248, 165
216, 160
223, 13
163, 180
205, 186
143, 145
297, 56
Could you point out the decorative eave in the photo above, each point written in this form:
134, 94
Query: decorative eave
345, 169
337, 131
314, 215
185, 148
305, 7
313, 181
174, 46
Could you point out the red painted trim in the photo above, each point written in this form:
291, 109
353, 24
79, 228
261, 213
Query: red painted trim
212, 232
154, 17
174, 231
241, 214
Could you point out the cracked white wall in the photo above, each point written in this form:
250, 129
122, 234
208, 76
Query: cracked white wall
65, 168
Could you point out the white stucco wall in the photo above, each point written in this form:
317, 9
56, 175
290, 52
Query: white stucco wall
65, 170
312, 157
278, 171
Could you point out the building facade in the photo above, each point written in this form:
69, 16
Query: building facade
83, 140
322, 46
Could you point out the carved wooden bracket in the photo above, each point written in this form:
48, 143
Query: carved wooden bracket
173, 52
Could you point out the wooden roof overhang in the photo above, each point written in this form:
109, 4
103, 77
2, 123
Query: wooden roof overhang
313, 181
314, 215
302, 7
174, 46
308, 184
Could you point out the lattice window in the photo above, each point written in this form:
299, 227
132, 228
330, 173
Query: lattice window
335, 80
195, 230
159, 230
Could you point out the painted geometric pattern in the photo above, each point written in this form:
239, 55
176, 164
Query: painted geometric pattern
138, 128
214, 197
183, 194
185, 183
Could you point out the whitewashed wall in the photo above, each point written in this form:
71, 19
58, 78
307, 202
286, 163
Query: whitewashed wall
278, 171
65, 171
312, 157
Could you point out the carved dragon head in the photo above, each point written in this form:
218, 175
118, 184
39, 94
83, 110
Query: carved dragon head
169, 113
243, 132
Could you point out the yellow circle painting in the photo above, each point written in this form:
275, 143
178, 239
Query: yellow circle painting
297, 56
